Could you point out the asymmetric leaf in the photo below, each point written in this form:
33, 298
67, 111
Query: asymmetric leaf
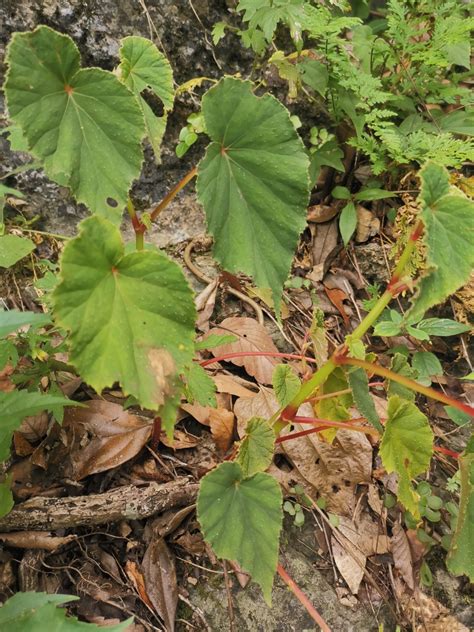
253, 183
83, 124
144, 67
256, 448
241, 519
12, 320
286, 383
448, 217
406, 447
131, 317
40, 612
460, 558
14, 248
17, 405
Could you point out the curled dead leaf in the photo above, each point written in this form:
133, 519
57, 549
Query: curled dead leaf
367, 224
222, 427
159, 572
402, 555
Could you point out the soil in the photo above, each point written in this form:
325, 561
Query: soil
183, 29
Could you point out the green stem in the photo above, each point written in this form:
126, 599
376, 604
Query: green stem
405, 381
138, 226
307, 390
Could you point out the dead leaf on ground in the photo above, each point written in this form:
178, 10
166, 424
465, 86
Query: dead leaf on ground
402, 555
337, 298
264, 405
21, 445
352, 544
233, 386
222, 427
320, 213
251, 337
138, 581
35, 427
159, 572
205, 303
35, 540
201, 413
332, 471
101, 436
181, 440
368, 225
325, 245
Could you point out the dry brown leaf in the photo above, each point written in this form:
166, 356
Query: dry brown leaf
201, 413
205, 303
138, 581
325, 244
319, 213
264, 405
181, 440
228, 384
367, 224
332, 471
161, 585
35, 540
350, 562
374, 500
402, 555
21, 445
222, 427
101, 436
35, 427
337, 298
251, 337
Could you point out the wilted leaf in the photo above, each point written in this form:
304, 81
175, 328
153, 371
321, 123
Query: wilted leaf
406, 448
251, 337
221, 422
103, 436
83, 124
253, 183
368, 225
241, 519
234, 386
324, 247
262, 405
160, 580
402, 554
256, 448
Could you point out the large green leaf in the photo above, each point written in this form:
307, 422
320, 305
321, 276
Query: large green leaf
14, 248
449, 235
17, 405
131, 317
40, 612
460, 558
253, 183
256, 448
406, 447
144, 67
84, 124
241, 519
12, 320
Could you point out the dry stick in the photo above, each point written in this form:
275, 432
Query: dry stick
303, 599
129, 502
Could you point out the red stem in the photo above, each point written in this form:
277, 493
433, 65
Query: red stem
261, 354
303, 599
447, 451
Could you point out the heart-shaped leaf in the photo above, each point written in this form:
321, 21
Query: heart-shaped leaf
131, 317
406, 447
253, 183
241, 519
448, 218
256, 448
14, 248
84, 124
144, 67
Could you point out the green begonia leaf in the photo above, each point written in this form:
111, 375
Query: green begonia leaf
460, 558
131, 317
401, 366
256, 448
84, 124
286, 383
406, 448
39, 611
200, 387
17, 405
448, 217
14, 248
144, 67
359, 384
13, 319
241, 518
253, 183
